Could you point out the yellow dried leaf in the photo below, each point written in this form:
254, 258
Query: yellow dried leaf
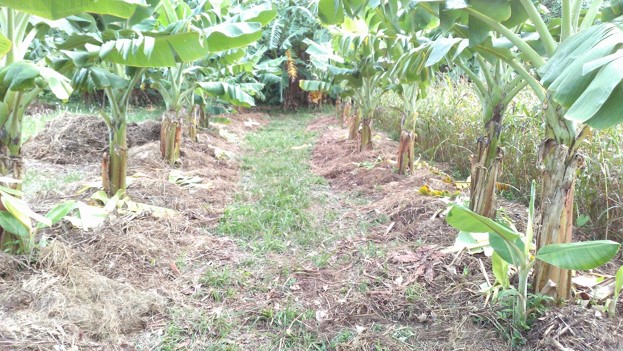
425, 190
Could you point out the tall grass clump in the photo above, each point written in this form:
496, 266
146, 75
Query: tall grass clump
450, 122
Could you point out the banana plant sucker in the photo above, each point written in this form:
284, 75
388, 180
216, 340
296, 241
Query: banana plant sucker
406, 146
114, 162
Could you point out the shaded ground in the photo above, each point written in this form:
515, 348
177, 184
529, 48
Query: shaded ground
296, 242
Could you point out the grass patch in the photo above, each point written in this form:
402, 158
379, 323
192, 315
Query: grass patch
220, 283
36, 181
273, 211
196, 330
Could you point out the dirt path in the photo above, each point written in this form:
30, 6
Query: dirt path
315, 264
291, 241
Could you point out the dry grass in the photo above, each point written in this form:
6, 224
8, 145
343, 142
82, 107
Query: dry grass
63, 299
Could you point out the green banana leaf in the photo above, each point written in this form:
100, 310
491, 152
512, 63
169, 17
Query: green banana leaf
579, 256
315, 85
463, 219
57, 9
585, 75
228, 92
25, 75
167, 50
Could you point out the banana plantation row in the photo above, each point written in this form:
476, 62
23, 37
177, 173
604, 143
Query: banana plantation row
199, 54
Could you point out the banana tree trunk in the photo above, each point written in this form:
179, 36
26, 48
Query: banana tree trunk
338, 108
115, 161
406, 151
346, 113
365, 137
204, 118
12, 166
556, 220
355, 121
193, 122
170, 136
486, 166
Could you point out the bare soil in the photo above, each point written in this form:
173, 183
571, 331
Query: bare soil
118, 287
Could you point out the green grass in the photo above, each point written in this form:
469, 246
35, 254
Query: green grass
220, 283
197, 330
274, 209
36, 181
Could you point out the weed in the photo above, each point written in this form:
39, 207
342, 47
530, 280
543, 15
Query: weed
404, 334
198, 331
372, 250
413, 292
503, 323
342, 337
321, 260
220, 283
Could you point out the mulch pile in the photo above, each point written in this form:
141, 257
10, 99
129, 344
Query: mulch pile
78, 139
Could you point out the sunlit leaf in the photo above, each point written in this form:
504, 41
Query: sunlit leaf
21, 211
11, 224
59, 211
57, 9
580, 255
463, 219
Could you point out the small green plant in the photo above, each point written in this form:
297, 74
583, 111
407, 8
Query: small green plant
342, 337
537, 305
618, 285
514, 248
16, 219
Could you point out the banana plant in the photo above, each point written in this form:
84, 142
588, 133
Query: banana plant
366, 54
322, 61
22, 80
404, 27
559, 155
515, 249
410, 79
175, 85
496, 85
360, 46
407, 28
115, 59
285, 40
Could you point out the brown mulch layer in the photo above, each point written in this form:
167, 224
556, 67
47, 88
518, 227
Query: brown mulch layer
100, 288
450, 309
78, 139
